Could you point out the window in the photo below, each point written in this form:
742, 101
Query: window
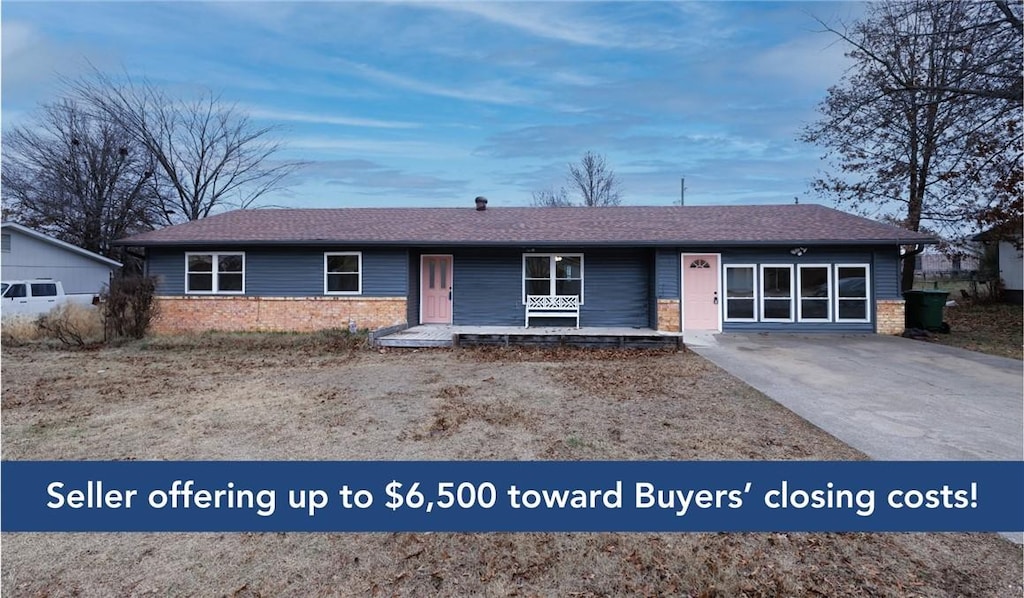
777, 293
852, 293
815, 285
15, 290
5, 243
343, 273
215, 273
739, 293
551, 274
699, 264
44, 289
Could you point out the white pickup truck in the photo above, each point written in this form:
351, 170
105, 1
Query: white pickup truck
36, 297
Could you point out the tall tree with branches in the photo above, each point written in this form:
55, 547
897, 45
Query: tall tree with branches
592, 182
908, 129
82, 179
209, 154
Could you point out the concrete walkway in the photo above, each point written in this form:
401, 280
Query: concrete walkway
890, 397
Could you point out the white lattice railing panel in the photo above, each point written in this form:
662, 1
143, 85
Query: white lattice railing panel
552, 302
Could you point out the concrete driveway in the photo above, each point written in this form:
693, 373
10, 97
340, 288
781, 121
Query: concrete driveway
892, 398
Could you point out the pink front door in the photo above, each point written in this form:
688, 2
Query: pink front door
700, 292
436, 289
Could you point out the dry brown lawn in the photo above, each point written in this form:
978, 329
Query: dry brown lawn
996, 329
290, 397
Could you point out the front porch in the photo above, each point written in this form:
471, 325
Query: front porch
438, 335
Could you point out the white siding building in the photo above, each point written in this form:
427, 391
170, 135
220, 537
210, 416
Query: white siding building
27, 254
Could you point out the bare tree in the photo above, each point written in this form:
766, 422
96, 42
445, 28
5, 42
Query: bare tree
899, 128
79, 178
209, 154
596, 183
551, 198
593, 183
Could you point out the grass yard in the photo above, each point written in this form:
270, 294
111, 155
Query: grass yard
996, 329
993, 328
298, 397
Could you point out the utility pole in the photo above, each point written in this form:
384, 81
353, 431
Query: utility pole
682, 191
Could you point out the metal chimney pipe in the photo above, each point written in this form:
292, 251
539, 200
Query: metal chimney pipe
481, 203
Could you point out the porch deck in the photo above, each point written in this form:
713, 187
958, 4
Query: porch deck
436, 335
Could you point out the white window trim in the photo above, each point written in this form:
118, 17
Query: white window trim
828, 298
215, 255
725, 292
552, 277
792, 292
359, 265
867, 293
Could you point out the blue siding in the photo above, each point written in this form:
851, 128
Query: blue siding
488, 287
621, 286
666, 275
168, 266
887, 273
412, 306
290, 272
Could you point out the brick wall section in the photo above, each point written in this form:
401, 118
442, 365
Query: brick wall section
668, 315
292, 314
889, 316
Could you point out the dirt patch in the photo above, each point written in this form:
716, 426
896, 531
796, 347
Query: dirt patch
252, 397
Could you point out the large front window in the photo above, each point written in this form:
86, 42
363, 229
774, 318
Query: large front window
553, 274
343, 273
740, 294
797, 293
852, 293
777, 293
815, 286
215, 273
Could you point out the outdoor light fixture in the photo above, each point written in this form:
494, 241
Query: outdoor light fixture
798, 251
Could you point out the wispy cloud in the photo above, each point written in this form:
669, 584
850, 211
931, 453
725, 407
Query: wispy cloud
545, 23
492, 91
326, 119
375, 147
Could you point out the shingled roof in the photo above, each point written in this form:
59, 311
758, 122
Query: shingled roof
806, 224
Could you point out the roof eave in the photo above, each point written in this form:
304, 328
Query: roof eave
520, 243
62, 244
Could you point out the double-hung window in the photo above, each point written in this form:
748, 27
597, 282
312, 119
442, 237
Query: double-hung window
852, 293
213, 273
814, 282
776, 293
740, 293
343, 273
553, 274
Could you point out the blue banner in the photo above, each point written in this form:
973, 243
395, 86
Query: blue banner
485, 496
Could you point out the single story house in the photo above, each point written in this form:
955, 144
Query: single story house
27, 254
734, 268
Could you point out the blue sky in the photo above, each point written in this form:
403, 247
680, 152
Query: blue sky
424, 104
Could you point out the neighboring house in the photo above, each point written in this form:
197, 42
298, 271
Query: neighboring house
27, 254
780, 267
1011, 263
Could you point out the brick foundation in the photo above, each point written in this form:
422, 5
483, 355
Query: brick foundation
668, 315
284, 314
889, 316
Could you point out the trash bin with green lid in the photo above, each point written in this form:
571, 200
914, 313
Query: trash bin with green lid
924, 309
